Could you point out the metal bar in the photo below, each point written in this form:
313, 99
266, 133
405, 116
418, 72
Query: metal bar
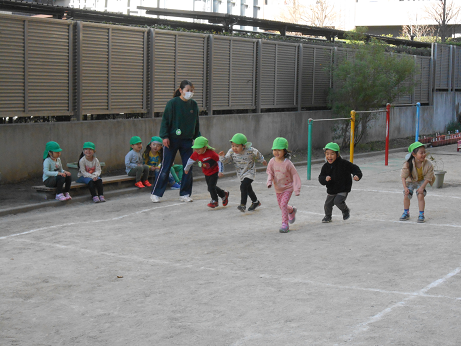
78, 71
71, 68
150, 61
331, 119
352, 141
376, 111
26, 66
309, 148
109, 70
418, 106
258, 75
403, 105
300, 76
210, 74
388, 113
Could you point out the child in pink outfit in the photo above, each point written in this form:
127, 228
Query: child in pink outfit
283, 175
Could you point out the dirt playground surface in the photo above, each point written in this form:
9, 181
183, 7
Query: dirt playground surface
130, 272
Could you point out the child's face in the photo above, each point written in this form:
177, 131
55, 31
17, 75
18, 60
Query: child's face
237, 148
331, 156
420, 154
200, 151
55, 154
155, 147
278, 153
137, 147
88, 153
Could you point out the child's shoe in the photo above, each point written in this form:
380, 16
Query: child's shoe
242, 208
186, 198
96, 199
292, 216
284, 229
405, 217
102, 199
175, 186
346, 214
213, 204
225, 199
139, 184
67, 195
421, 219
146, 183
326, 219
61, 197
254, 205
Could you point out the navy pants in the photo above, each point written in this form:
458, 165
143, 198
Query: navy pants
185, 150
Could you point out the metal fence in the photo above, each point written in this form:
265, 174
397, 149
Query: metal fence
51, 67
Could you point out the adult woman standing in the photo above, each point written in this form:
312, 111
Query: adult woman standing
180, 126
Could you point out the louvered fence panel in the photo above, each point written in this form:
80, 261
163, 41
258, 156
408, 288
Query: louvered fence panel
422, 79
286, 75
268, 74
442, 67
322, 78
220, 84
307, 84
164, 69
457, 68
243, 74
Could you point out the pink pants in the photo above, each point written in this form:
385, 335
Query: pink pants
282, 199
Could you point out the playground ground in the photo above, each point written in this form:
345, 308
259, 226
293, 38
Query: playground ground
130, 272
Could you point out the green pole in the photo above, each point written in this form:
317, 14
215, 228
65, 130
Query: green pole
309, 148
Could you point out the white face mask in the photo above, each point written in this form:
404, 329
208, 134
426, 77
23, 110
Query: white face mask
188, 95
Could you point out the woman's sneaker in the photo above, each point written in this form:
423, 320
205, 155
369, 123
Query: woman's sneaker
405, 217
254, 205
326, 219
213, 204
292, 215
61, 197
67, 195
225, 199
186, 198
284, 229
96, 199
154, 198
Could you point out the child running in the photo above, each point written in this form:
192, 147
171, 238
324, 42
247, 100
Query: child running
416, 173
134, 164
336, 175
244, 155
283, 175
211, 167
89, 171
153, 156
53, 173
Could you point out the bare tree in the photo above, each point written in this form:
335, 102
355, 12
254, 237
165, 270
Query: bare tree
443, 12
419, 32
321, 14
293, 12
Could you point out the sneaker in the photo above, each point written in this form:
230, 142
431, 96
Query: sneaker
61, 197
154, 198
146, 183
213, 204
292, 216
242, 208
102, 199
421, 219
326, 219
96, 199
67, 195
139, 184
284, 229
405, 217
254, 205
175, 186
225, 199
186, 198
346, 214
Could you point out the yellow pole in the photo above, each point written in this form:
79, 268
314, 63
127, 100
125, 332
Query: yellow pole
352, 136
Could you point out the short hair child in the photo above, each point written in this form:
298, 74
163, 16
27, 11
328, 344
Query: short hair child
53, 173
134, 164
283, 175
336, 175
244, 155
89, 172
416, 173
211, 167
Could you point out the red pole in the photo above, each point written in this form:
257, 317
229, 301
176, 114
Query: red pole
388, 111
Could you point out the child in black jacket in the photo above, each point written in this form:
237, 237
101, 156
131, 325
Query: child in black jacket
336, 175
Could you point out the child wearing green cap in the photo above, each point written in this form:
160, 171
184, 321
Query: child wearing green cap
336, 176
89, 171
416, 173
244, 156
134, 163
153, 157
283, 175
53, 173
211, 167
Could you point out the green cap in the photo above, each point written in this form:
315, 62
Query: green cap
155, 139
239, 138
51, 146
414, 146
135, 140
280, 143
332, 146
201, 142
89, 145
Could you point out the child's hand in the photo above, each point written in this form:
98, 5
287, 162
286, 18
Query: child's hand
420, 191
297, 193
66, 173
220, 174
185, 172
264, 163
62, 174
328, 178
269, 186
356, 178
95, 178
221, 153
407, 191
152, 168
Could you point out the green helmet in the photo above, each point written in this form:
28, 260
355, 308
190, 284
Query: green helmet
201, 142
51, 146
332, 146
155, 139
135, 140
239, 138
89, 145
414, 146
280, 143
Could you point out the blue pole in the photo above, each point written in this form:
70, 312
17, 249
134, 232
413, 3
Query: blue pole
418, 109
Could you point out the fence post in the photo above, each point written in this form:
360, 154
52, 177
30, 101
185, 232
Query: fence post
78, 71
418, 112
309, 148
388, 111
352, 136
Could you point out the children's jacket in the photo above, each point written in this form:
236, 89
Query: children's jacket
428, 172
341, 172
244, 162
209, 161
51, 168
132, 159
89, 169
283, 176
